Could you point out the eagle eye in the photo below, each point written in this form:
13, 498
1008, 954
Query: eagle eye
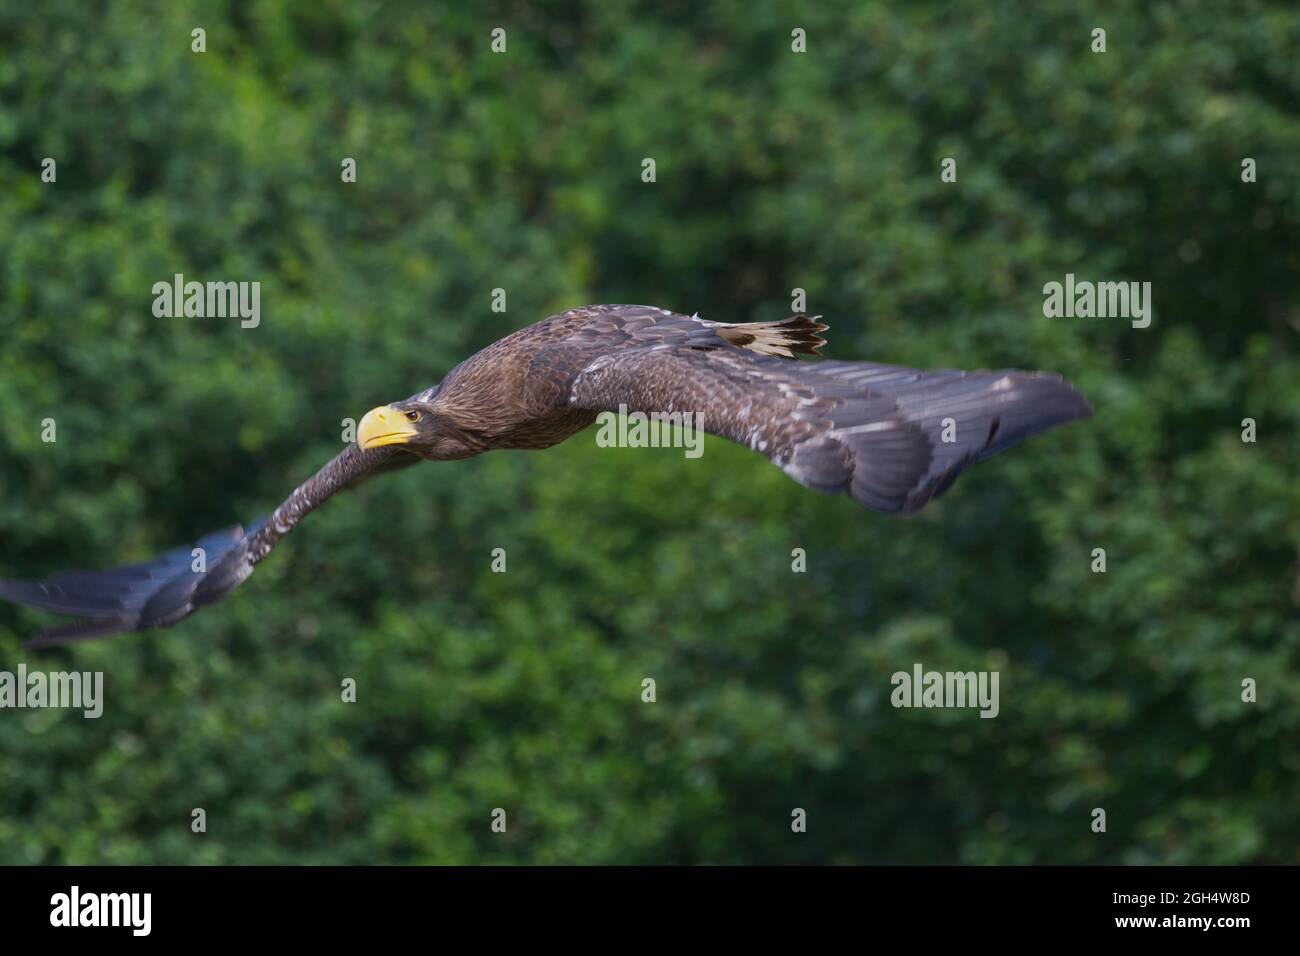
412, 416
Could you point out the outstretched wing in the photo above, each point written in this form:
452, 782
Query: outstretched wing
175, 585
892, 438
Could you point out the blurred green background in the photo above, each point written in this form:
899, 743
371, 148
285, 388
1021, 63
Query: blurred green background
775, 170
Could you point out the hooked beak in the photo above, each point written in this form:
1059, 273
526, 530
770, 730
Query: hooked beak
384, 425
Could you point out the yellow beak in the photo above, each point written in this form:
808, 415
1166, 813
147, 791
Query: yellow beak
384, 425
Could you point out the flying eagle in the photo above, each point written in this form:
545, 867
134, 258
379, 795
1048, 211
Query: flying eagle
891, 438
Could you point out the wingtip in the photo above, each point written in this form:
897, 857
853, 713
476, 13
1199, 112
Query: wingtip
1077, 404
1080, 406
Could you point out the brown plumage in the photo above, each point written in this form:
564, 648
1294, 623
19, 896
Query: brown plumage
892, 438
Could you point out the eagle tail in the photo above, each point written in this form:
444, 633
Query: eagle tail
797, 334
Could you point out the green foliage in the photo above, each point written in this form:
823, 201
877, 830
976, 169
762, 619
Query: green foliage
776, 170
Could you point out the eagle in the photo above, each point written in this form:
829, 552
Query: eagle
891, 438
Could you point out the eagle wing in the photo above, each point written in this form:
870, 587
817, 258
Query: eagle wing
176, 584
892, 438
